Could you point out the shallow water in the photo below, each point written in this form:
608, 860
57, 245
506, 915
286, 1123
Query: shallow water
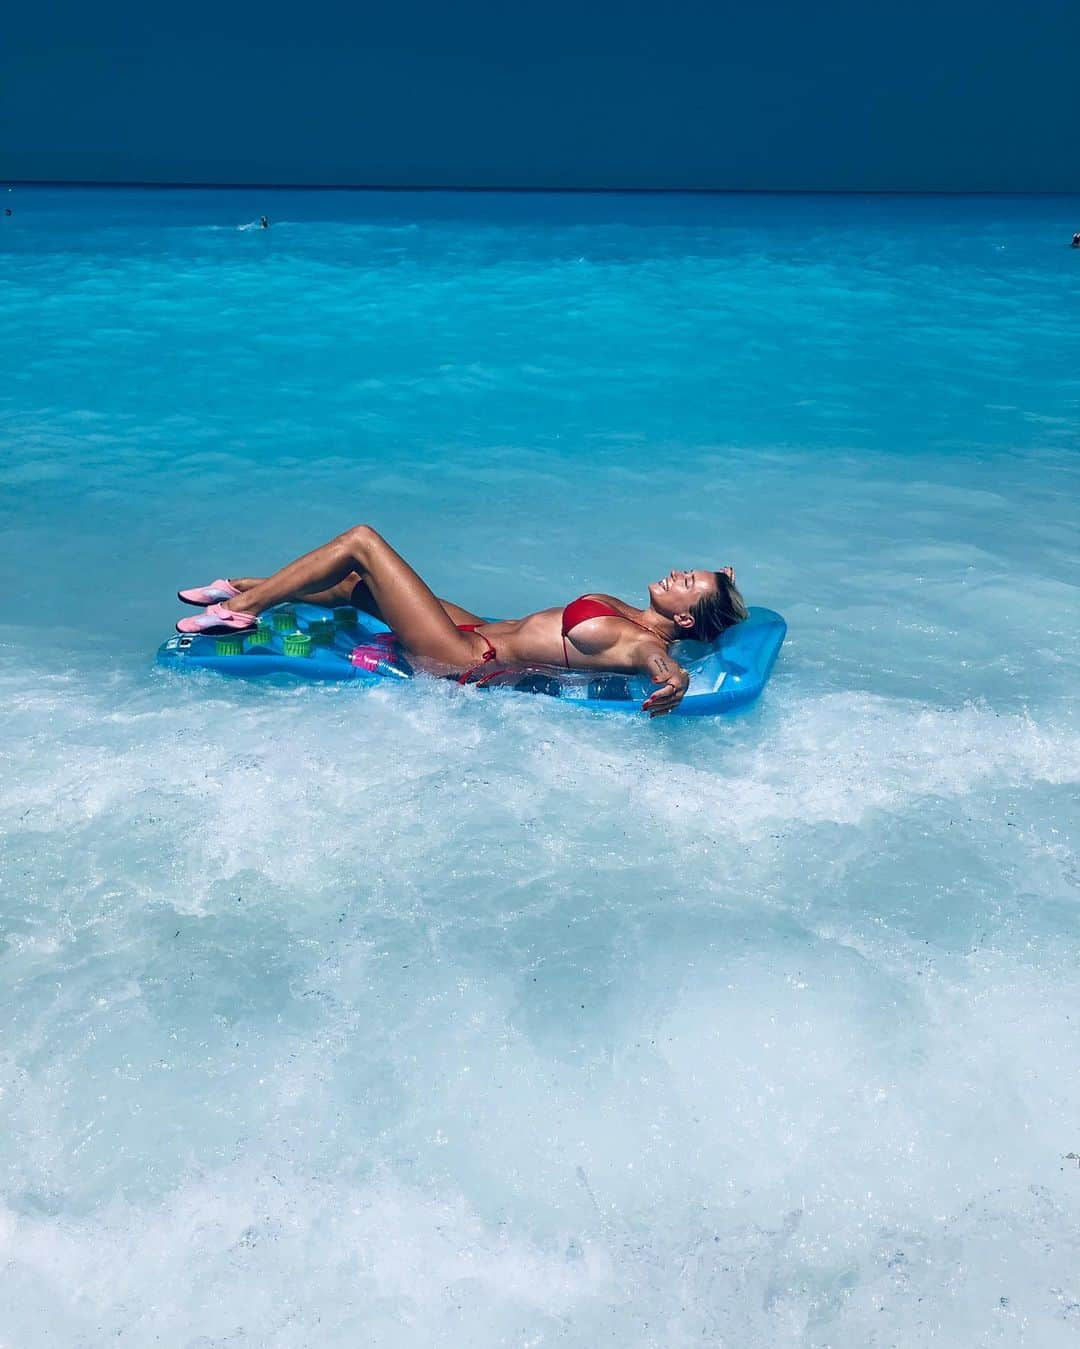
414, 1017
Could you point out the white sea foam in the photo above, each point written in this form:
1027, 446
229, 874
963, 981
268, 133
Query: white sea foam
575, 1020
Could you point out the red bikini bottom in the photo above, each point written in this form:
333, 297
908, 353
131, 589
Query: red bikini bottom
489, 654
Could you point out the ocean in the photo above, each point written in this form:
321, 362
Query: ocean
417, 1017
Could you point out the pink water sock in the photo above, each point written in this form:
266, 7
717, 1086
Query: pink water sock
217, 620
215, 593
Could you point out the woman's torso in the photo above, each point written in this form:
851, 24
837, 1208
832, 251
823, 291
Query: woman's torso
537, 639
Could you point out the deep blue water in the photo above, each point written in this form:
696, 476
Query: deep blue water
414, 1017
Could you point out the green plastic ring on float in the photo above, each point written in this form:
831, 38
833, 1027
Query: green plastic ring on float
297, 644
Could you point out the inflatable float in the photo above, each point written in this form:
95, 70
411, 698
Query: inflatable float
306, 642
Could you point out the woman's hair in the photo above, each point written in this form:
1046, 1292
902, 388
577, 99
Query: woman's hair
720, 610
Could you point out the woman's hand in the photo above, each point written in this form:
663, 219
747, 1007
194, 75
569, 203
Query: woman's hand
673, 681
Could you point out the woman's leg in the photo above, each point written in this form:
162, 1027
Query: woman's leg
403, 600
352, 590
342, 593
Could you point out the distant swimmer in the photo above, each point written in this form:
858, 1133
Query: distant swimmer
7, 211
1075, 242
264, 223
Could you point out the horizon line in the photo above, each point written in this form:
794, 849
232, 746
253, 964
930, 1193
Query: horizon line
522, 190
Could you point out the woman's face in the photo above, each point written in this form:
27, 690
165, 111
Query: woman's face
679, 591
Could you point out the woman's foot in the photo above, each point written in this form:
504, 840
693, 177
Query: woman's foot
216, 621
217, 592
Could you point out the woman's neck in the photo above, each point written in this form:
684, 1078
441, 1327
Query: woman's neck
663, 626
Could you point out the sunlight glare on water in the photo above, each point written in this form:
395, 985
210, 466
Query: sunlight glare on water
415, 1017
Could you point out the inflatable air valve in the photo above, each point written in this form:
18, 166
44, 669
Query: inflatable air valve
297, 644
373, 659
345, 616
284, 620
322, 631
260, 635
229, 646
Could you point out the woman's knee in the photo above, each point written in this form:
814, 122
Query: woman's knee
361, 539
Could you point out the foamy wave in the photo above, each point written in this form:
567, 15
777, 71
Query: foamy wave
377, 764
772, 1158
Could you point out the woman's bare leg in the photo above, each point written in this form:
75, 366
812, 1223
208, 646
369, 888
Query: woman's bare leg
342, 593
362, 598
405, 602
352, 590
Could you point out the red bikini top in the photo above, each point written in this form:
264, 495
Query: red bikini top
584, 608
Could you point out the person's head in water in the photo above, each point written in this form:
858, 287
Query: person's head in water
1075, 242
264, 222
7, 210
701, 604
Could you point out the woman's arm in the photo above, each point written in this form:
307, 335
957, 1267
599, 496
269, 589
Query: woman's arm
653, 659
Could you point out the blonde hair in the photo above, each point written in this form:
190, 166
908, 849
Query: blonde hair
716, 612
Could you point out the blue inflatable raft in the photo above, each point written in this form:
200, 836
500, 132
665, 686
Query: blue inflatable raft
307, 642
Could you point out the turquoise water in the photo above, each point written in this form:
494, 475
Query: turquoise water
414, 1017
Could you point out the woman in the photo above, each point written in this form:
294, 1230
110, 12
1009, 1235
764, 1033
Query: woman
594, 632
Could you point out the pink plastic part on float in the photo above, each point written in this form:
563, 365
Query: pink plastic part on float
371, 656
